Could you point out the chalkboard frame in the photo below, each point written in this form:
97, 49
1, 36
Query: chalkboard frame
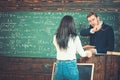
78, 64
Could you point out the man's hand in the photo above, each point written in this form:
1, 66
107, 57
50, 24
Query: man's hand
97, 27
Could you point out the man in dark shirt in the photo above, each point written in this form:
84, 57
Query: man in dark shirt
101, 34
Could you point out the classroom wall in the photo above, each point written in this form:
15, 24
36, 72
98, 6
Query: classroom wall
31, 68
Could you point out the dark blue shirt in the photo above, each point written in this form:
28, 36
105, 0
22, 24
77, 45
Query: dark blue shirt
102, 39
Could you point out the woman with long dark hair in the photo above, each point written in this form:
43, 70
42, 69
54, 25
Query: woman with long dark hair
67, 44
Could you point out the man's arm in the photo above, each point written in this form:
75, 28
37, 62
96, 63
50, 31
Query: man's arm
85, 32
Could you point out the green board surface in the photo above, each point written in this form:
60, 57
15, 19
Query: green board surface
30, 34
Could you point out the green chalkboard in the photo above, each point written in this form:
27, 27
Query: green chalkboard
30, 34
86, 71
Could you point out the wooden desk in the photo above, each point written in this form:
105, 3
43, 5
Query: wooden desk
113, 53
106, 66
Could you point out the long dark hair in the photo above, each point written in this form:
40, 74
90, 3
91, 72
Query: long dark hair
65, 30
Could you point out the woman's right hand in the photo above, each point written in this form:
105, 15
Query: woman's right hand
89, 53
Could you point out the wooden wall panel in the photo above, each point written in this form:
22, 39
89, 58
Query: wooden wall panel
106, 68
25, 68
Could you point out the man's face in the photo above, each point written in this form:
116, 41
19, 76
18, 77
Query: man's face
93, 20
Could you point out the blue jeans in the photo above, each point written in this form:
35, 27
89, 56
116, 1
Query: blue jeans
66, 70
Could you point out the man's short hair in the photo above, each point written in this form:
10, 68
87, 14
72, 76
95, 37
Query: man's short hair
92, 13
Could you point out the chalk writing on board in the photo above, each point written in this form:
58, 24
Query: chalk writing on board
30, 34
